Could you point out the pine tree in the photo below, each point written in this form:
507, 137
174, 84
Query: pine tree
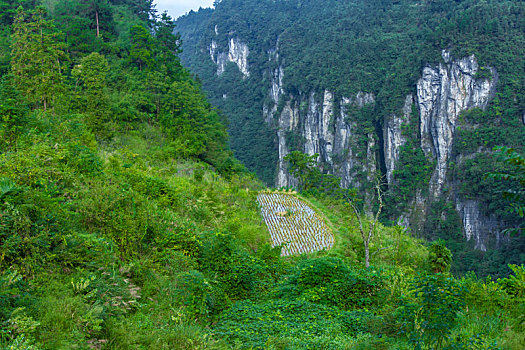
142, 46
37, 56
164, 33
11, 114
100, 15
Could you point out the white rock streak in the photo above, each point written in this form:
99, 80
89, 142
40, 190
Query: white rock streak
293, 224
393, 137
325, 133
443, 93
237, 53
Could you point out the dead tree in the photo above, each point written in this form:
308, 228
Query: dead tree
367, 223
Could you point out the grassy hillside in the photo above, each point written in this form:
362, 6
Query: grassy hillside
120, 246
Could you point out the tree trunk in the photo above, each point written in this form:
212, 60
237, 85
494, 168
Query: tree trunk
367, 254
98, 29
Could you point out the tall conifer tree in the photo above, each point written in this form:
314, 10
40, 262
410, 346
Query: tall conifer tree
37, 57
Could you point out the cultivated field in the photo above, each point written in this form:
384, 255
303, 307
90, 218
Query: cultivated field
293, 224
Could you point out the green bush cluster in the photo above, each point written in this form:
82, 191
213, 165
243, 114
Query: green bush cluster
295, 324
329, 281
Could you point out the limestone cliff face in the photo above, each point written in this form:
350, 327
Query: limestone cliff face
477, 226
443, 92
329, 134
321, 122
287, 122
393, 137
312, 118
237, 53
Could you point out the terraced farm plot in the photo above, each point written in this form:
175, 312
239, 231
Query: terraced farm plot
293, 224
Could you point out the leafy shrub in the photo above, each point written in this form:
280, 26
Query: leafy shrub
486, 295
476, 342
515, 284
84, 159
152, 188
12, 114
359, 321
30, 229
86, 248
120, 214
198, 174
196, 294
14, 293
439, 257
113, 291
234, 268
22, 325
430, 316
22, 343
180, 236
329, 281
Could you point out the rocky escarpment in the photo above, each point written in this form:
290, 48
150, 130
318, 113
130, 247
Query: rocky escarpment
311, 118
237, 53
393, 137
326, 133
276, 86
477, 226
443, 92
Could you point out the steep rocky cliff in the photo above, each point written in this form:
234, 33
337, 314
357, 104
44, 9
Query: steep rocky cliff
442, 93
393, 137
326, 133
237, 53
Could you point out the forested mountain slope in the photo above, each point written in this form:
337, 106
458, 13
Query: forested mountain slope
419, 92
111, 163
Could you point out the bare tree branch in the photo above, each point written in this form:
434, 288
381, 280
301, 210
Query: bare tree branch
368, 236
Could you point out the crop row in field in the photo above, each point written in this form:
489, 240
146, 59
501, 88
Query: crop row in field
293, 224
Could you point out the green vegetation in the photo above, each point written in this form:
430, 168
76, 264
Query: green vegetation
439, 257
413, 169
515, 181
347, 47
126, 223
